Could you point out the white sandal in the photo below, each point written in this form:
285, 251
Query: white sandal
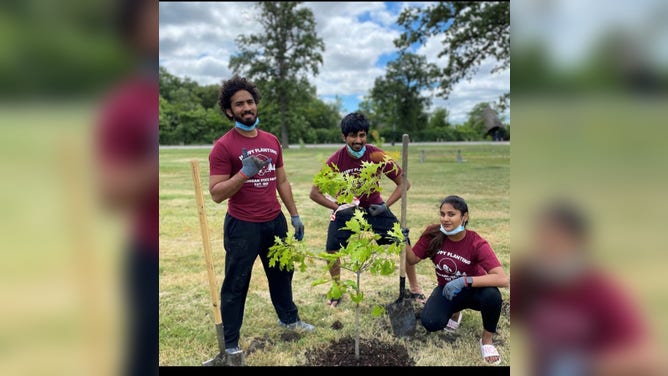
452, 324
488, 351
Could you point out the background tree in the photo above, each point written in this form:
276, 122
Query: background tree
471, 33
476, 117
473, 128
439, 118
396, 100
189, 113
286, 50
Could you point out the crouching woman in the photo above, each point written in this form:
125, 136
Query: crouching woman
468, 272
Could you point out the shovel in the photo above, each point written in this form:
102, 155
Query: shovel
401, 312
218, 360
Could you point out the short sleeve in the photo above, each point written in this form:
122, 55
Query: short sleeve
127, 128
279, 159
219, 160
392, 170
420, 247
486, 257
331, 161
618, 316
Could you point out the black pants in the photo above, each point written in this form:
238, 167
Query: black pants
243, 242
380, 224
141, 294
438, 310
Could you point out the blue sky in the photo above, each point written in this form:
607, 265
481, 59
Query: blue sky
197, 40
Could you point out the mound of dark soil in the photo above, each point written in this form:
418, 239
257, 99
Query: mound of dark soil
372, 353
337, 325
290, 336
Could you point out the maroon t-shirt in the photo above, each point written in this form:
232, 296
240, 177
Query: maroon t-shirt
128, 134
586, 316
349, 165
256, 201
471, 256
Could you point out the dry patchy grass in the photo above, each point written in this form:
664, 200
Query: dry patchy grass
187, 334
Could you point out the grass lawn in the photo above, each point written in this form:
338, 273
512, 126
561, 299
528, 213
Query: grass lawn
187, 334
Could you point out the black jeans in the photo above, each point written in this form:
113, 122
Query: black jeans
243, 242
141, 294
438, 310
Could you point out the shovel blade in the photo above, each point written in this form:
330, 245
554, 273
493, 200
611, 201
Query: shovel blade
402, 318
225, 360
216, 361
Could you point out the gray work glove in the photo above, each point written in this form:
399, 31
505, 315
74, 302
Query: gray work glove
453, 287
405, 231
377, 209
251, 164
299, 227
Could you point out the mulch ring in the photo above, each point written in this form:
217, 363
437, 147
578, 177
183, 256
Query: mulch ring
372, 353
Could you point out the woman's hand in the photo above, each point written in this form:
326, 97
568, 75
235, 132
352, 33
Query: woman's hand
453, 287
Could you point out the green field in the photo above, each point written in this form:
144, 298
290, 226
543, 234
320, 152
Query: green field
187, 334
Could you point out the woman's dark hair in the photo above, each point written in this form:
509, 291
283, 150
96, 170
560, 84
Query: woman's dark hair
230, 87
566, 216
353, 123
435, 230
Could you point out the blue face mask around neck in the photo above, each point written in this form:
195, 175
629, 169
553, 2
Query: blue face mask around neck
245, 127
356, 154
456, 231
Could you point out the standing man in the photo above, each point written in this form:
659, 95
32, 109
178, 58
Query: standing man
354, 129
246, 167
126, 165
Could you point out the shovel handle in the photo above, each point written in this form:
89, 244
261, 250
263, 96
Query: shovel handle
402, 220
205, 240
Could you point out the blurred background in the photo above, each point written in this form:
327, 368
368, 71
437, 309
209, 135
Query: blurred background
63, 256
589, 103
589, 90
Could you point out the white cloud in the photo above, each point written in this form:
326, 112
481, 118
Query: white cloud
197, 41
569, 33
483, 86
351, 52
323, 10
189, 30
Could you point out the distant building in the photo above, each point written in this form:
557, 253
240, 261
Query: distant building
493, 126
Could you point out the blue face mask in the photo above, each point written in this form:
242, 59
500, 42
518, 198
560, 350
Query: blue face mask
245, 127
356, 154
456, 231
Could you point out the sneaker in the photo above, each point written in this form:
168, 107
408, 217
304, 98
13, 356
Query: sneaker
234, 356
297, 325
233, 350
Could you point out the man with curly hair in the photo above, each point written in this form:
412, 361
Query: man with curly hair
246, 168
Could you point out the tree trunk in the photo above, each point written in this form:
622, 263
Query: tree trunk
284, 125
357, 321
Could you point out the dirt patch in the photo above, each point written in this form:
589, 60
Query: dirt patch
290, 336
337, 325
259, 344
505, 309
372, 353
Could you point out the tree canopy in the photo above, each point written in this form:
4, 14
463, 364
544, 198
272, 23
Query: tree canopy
471, 32
281, 55
396, 100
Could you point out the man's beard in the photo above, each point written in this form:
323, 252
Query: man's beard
357, 147
245, 122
